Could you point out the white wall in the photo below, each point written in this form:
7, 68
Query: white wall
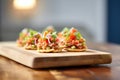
90, 14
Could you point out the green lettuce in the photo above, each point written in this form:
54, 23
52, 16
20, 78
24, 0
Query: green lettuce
78, 35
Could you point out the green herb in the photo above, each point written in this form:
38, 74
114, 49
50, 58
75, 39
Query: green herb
26, 38
78, 35
54, 35
67, 35
32, 32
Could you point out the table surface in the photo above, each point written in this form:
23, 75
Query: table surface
11, 70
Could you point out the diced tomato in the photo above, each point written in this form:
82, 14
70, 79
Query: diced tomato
46, 41
76, 41
57, 40
51, 39
29, 41
72, 37
73, 42
73, 30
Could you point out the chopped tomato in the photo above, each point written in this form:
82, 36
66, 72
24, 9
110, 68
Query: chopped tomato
57, 40
51, 39
73, 42
46, 41
76, 42
30, 40
73, 30
72, 37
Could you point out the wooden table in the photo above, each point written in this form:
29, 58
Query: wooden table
10, 70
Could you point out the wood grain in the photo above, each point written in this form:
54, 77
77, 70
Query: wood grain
11, 70
33, 59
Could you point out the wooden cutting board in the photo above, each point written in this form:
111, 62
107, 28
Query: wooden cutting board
33, 59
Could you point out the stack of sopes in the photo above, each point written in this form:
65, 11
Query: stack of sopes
50, 41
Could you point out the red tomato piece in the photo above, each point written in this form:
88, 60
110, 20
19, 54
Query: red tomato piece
73, 30
72, 36
57, 40
46, 41
76, 41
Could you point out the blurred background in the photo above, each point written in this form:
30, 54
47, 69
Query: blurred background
97, 20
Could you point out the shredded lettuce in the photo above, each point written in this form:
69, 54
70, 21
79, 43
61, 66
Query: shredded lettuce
32, 32
78, 35
65, 30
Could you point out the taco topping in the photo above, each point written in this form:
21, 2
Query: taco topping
51, 41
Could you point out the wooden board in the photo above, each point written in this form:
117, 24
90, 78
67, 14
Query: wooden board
33, 59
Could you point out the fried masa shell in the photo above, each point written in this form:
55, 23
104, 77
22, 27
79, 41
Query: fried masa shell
50, 51
30, 47
75, 50
62, 47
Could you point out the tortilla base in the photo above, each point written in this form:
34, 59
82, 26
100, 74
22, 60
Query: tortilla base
75, 50
29, 47
49, 51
